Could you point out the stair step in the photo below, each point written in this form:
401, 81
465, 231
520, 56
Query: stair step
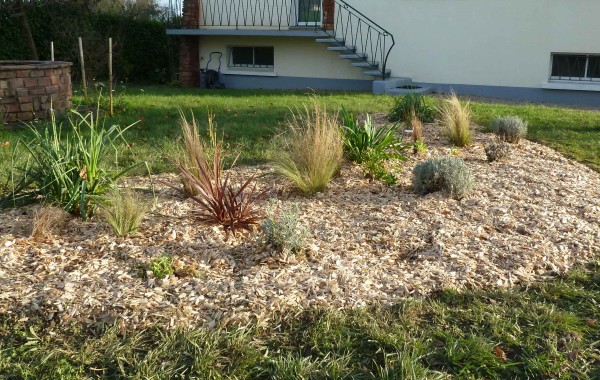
342, 48
353, 56
377, 73
409, 89
365, 64
333, 41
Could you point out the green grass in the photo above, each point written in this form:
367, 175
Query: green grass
250, 119
544, 331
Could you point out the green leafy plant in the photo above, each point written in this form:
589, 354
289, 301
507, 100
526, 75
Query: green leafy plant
223, 203
510, 129
420, 147
283, 232
124, 211
162, 266
497, 151
455, 118
405, 106
313, 152
67, 166
448, 174
365, 144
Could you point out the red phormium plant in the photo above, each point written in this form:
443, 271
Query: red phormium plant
232, 207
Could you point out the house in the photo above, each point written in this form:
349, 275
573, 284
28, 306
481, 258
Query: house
537, 50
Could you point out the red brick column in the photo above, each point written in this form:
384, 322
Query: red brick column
189, 49
328, 14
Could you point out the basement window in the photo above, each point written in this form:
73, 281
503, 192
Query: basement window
255, 57
575, 67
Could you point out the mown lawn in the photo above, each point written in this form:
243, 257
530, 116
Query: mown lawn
250, 119
546, 331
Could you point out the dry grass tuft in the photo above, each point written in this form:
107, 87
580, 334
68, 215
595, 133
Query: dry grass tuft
195, 150
455, 118
314, 151
124, 211
47, 220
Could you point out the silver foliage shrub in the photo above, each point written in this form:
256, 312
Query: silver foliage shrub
510, 128
283, 232
448, 174
497, 151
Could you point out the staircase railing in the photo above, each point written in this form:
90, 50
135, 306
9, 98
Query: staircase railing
359, 31
346, 24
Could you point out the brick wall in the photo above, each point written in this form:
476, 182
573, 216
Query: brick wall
189, 50
29, 89
328, 14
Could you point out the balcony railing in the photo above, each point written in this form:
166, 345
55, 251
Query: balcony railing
369, 41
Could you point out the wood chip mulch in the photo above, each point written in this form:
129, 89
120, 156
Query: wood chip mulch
529, 217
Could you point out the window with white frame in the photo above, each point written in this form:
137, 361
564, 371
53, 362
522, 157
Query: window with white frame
256, 57
575, 67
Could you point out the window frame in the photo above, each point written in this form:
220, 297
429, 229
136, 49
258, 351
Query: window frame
253, 66
584, 79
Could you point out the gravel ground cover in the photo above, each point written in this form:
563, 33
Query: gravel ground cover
529, 217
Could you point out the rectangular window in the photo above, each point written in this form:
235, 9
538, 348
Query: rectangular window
261, 57
575, 67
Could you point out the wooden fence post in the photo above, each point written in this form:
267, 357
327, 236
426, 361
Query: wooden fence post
81, 61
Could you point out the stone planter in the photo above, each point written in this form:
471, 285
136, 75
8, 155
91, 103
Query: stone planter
29, 89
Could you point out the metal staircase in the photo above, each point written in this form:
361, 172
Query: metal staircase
358, 39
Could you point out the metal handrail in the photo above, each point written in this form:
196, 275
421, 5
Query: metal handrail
350, 26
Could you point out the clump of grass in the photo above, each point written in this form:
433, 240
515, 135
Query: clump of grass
416, 125
448, 174
497, 151
162, 266
314, 150
405, 106
223, 203
510, 129
284, 233
455, 118
67, 166
47, 220
124, 211
195, 150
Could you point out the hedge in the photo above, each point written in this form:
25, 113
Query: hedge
142, 51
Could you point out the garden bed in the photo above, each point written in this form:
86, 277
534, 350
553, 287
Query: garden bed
529, 217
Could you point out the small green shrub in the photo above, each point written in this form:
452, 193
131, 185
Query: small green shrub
408, 104
67, 166
314, 150
497, 151
510, 129
162, 266
284, 233
455, 118
448, 174
124, 211
420, 147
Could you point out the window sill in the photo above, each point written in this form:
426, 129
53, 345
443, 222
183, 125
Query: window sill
250, 73
573, 86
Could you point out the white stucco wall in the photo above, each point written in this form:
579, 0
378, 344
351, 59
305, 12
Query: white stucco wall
294, 56
485, 42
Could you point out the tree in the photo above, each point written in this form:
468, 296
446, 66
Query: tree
33, 55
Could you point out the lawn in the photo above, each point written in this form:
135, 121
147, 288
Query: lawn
547, 329
250, 119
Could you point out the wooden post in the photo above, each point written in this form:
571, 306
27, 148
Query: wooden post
81, 61
52, 51
110, 76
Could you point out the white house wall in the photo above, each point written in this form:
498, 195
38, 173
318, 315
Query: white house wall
484, 42
294, 57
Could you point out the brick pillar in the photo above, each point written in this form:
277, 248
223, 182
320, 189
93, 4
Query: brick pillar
189, 49
328, 14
